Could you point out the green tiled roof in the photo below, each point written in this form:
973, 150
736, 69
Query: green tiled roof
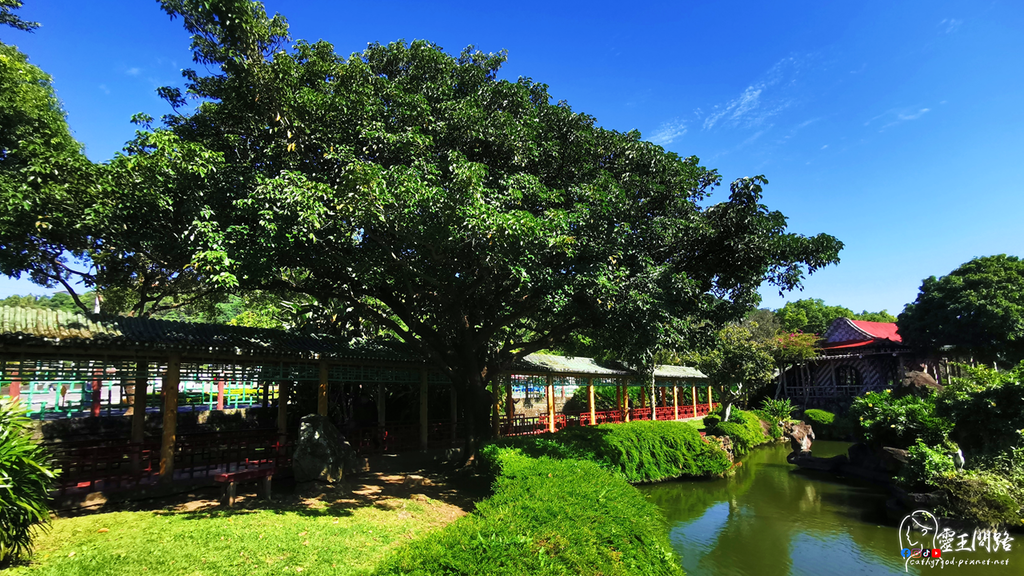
666, 371
564, 364
39, 326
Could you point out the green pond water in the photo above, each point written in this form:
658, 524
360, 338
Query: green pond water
771, 519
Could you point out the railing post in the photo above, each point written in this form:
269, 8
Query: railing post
321, 390
590, 401
423, 409
170, 391
550, 392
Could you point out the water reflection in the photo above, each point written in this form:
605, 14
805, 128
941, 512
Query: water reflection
773, 520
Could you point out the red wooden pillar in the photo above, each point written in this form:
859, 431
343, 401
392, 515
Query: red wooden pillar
15, 389
220, 393
97, 390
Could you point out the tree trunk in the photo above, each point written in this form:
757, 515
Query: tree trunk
728, 409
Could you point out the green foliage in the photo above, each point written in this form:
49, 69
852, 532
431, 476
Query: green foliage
45, 180
547, 517
883, 420
712, 420
977, 309
8, 17
737, 366
813, 316
25, 481
982, 496
778, 410
926, 466
641, 451
744, 428
828, 426
987, 408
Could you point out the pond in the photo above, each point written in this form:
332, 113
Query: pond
771, 519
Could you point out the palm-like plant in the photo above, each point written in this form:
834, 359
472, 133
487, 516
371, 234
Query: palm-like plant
25, 482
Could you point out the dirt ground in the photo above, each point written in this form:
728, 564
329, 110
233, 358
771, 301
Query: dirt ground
456, 493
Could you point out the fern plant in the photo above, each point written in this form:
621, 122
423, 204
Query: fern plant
25, 482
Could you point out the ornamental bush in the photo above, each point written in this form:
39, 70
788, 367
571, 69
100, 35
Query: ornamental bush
547, 516
25, 482
641, 451
744, 428
883, 420
778, 410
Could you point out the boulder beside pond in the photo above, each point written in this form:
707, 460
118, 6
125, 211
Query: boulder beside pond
322, 453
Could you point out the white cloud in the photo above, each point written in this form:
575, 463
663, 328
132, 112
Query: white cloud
668, 132
901, 118
950, 25
104, 88
760, 100
825, 146
133, 71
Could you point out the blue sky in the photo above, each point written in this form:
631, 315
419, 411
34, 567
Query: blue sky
896, 127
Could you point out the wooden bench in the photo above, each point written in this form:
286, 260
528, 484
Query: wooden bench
232, 479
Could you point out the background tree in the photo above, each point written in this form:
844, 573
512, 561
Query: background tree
737, 366
977, 310
813, 316
8, 17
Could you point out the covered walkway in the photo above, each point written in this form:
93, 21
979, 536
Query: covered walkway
128, 402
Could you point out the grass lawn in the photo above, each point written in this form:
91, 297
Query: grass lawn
328, 534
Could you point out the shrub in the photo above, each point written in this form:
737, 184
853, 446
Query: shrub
642, 451
886, 421
982, 496
711, 420
744, 429
925, 466
828, 426
987, 408
778, 410
25, 482
547, 516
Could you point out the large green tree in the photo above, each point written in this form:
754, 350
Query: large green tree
813, 316
737, 366
469, 216
45, 180
974, 312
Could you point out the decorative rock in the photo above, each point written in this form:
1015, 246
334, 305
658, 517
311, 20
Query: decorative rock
321, 454
800, 437
917, 383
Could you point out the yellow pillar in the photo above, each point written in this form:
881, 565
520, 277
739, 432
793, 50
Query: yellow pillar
693, 391
709, 400
625, 401
321, 391
675, 398
170, 389
590, 401
423, 409
551, 403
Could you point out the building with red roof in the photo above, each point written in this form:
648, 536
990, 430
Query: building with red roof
856, 357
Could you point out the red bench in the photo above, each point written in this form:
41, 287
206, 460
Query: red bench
232, 479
